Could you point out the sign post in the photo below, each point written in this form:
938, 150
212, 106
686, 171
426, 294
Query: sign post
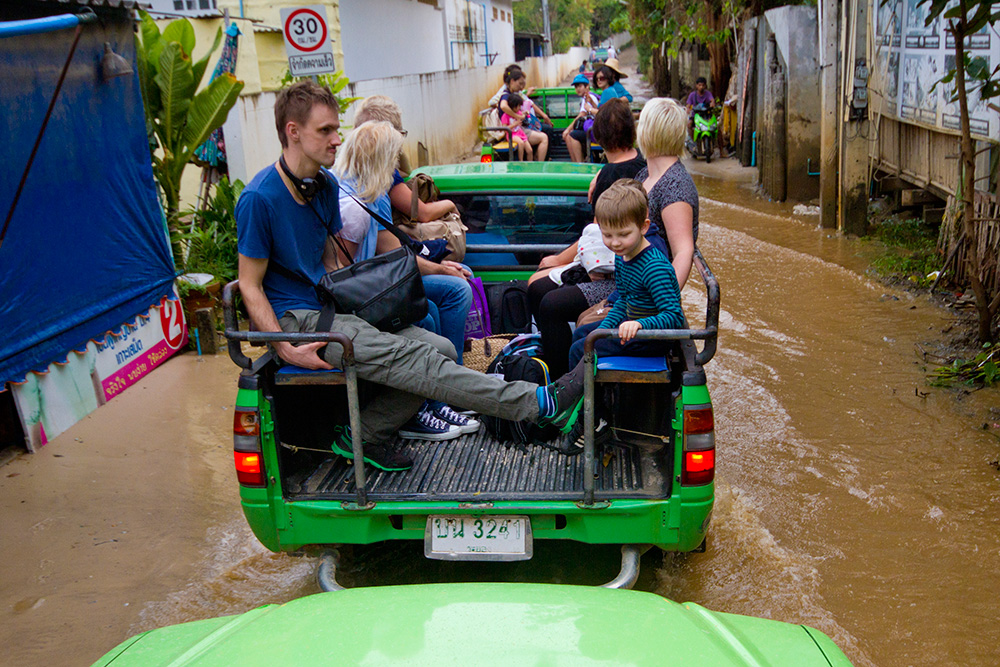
307, 40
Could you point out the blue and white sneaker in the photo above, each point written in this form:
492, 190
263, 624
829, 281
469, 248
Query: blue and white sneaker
426, 426
447, 414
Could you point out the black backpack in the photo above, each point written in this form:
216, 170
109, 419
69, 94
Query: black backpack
519, 367
510, 311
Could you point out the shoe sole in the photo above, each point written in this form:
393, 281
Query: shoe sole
469, 428
350, 457
431, 437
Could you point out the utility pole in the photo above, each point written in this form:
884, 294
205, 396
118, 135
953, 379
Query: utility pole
855, 126
546, 27
829, 24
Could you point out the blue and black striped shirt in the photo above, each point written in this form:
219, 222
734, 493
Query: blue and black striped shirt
647, 291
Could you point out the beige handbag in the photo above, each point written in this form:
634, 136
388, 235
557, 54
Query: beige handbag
449, 228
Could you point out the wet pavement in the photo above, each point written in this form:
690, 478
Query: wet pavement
850, 496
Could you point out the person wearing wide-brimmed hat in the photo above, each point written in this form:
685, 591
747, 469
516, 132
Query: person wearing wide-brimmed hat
575, 134
608, 77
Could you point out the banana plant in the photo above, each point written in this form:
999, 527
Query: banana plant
178, 117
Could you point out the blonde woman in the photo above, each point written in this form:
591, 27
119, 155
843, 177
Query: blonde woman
364, 166
673, 198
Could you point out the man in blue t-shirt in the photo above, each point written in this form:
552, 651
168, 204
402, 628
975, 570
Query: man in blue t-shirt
285, 218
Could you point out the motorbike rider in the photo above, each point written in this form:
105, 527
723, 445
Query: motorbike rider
701, 98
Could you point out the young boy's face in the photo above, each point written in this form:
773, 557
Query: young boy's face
625, 242
581, 89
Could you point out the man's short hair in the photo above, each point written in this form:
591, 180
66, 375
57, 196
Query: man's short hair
624, 203
295, 103
614, 125
700, 79
662, 128
379, 107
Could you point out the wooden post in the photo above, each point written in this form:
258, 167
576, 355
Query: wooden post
855, 126
829, 31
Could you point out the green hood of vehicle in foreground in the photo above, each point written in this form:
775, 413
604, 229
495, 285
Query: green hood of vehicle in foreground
479, 624
546, 177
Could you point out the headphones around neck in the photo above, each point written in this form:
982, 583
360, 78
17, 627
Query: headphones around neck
307, 187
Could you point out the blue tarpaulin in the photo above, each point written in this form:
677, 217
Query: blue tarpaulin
86, 248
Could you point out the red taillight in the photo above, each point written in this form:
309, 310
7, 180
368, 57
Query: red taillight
249, 468
699, 467
486, 158
699, 445
246, 421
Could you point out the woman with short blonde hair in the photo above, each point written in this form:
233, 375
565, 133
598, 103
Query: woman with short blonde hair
673, 198
367, 158
662, 127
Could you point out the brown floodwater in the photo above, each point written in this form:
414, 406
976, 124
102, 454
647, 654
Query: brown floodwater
850, 496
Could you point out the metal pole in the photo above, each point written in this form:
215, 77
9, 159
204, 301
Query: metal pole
547, 29
588, 423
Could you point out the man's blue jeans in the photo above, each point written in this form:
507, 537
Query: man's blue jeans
448, 300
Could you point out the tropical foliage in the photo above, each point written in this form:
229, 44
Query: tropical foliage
211, 239
178, 116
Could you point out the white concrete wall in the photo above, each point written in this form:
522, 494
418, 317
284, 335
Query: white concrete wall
391, 38
440, 111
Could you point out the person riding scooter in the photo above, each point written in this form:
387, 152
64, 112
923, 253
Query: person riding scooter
700, 96
702, 122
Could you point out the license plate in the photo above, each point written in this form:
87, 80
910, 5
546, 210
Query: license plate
490, 537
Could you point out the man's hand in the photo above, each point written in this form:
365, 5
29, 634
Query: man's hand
304, 356
628, 330
450, 268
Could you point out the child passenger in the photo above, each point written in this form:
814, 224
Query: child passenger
649, 297
520, 138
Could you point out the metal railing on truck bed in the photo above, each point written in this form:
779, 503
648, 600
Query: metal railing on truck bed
626, 480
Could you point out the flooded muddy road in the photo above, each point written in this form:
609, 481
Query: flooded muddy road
849, 495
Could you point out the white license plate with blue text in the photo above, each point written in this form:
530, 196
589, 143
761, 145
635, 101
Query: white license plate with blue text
480, 537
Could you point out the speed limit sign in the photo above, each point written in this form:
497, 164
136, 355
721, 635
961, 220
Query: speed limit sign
307, 40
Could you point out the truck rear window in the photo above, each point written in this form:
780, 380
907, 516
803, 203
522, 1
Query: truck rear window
526, 217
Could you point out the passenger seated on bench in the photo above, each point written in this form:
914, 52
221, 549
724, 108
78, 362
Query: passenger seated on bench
517, 131
648, 295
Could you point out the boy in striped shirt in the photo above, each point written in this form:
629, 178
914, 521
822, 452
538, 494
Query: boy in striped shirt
648, 295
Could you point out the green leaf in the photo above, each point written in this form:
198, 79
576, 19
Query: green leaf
208, 111
199, 67
150, 93
180, 31
173, 78
152, 44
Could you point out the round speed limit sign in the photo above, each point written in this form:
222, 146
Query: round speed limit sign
305, 29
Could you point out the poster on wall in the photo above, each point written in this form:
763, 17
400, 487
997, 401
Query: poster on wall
49, 403
912, 57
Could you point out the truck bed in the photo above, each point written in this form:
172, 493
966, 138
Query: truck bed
478, 468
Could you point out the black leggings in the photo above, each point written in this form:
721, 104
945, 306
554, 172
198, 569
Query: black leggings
554, 306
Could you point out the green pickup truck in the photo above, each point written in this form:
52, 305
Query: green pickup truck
475, 498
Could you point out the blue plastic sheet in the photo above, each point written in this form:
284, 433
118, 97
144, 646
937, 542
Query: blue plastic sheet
86, 249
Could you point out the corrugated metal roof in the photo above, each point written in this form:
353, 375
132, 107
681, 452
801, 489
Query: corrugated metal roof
189, 13
260, 27
126, 4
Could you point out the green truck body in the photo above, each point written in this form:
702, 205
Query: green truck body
297, 495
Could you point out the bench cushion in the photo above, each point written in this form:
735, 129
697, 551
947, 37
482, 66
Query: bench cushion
632, 364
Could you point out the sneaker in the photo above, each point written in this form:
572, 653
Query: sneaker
382, 457
426, 426
565, 397
447, 414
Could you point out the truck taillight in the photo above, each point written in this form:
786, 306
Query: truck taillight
699, 445
249, 468
247, 453
486, 158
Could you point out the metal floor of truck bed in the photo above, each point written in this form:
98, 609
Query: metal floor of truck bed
477, 468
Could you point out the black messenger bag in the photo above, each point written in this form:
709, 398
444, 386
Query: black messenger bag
385, 290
